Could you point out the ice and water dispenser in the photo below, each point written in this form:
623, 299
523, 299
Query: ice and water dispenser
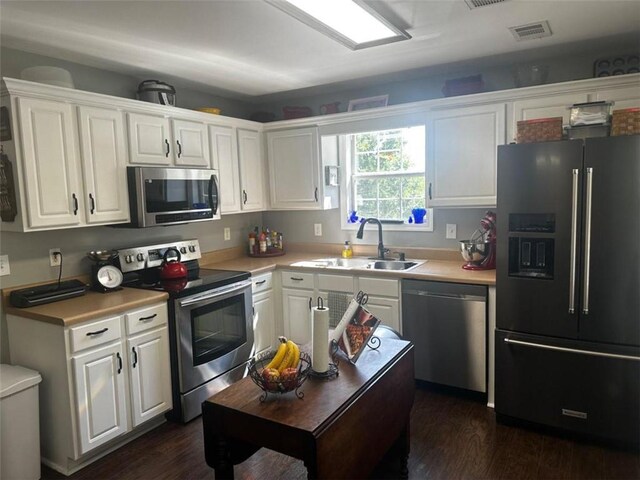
531, 245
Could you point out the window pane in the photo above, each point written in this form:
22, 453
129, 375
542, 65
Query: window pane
366, 189
390, 209
389, 188
367, 208
367, 162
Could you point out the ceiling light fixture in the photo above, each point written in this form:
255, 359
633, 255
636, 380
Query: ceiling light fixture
350, 22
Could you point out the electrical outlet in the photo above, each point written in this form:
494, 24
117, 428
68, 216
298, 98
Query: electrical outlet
317, 229
5, 268
227, 233
54, 258
451, 230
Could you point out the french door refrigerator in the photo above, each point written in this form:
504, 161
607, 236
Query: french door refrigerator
568, 285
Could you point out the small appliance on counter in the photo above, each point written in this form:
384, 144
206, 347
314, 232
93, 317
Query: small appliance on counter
105, 276
48, 293
480, 250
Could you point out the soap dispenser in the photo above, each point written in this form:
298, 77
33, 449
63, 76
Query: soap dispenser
347, 252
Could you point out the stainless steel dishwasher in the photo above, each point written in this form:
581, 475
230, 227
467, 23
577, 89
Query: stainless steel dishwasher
447, 324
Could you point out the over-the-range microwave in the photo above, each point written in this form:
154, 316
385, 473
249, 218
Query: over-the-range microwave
169, 196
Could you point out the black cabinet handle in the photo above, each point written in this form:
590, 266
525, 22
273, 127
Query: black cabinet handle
89, 334
244, 195
297, 279
310, 303
260, 282
429, 190
135, 356
168, 147
144, 319
75, 203
93, 203
119, 362
179, 148
315, 194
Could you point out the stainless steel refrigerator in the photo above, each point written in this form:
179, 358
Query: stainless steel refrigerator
568, 285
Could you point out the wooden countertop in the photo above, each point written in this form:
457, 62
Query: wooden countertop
438, 270
90, 306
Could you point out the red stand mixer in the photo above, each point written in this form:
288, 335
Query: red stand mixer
480, 250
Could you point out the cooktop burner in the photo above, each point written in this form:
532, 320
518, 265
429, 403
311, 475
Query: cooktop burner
198, 280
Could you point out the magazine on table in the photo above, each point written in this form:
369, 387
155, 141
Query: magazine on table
357, 333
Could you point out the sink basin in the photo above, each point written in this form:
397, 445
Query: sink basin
393, 265
361, 263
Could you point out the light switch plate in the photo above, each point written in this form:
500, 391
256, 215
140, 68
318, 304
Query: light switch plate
227, 233
451, 230
5, 268
317, 229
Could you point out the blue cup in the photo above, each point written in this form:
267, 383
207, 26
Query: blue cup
418, 214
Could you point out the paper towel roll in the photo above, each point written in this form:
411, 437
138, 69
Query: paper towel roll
348, 314
320, 339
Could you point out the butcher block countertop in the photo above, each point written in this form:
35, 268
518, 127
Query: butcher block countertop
90, 306
442, 269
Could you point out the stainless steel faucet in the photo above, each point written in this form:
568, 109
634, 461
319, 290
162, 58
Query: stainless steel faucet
381, 249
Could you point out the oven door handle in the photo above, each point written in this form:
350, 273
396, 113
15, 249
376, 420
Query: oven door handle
218, 292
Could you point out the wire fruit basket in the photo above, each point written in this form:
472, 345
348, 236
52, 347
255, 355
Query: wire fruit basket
284, 384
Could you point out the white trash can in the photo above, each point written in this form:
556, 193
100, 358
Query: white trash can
19, 423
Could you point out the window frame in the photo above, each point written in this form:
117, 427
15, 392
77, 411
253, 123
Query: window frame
347, 187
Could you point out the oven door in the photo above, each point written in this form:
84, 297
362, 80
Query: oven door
214, 332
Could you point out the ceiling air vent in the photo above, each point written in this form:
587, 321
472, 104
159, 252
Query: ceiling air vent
531, 31
481, 3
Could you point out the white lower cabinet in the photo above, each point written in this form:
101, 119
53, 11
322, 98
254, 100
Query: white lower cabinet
263, 312
296, 314
102, 379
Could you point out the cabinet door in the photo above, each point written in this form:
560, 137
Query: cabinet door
297, 314
100, 396
150, 375
264, 321
387, 310
191, 145
224, 153
104, 165
544, 107
51, 165
294, 169
251, 167
461, 155
627, 97
149, 140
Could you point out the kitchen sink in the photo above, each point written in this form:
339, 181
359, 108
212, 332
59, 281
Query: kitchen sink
359, 264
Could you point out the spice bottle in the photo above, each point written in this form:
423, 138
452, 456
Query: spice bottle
262, 238
347, 252
252, 243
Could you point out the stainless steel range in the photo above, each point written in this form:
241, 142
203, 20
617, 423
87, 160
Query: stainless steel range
210, 321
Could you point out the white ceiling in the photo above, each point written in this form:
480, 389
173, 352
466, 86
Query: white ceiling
251, 48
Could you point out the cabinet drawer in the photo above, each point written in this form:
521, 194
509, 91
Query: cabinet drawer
146, 318
379, 286
95, 333
261, 283
297, 279
338, 283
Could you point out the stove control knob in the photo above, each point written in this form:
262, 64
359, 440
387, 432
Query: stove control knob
183, 250
140, 257
192, 248
128, 259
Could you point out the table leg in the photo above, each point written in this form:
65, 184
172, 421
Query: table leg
222, 463
312, 468
404, 446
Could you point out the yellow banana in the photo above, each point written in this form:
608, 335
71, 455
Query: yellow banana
280, 354
296, 355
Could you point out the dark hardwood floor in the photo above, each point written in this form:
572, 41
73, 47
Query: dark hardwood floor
452, 437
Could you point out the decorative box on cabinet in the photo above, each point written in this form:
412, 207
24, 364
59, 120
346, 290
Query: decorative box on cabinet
104, 380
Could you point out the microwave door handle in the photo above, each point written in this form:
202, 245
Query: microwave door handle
213, 194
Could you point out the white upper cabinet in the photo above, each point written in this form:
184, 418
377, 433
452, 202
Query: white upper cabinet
50, 161
149, 139
461, 155
547, 106
628, 97
104, 161
294, 169
224, 156
191, 146
251, 170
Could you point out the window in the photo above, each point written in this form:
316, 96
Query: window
387, 173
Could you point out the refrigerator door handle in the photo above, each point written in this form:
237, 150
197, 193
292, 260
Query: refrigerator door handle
571, 350
587, 241
574, 242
